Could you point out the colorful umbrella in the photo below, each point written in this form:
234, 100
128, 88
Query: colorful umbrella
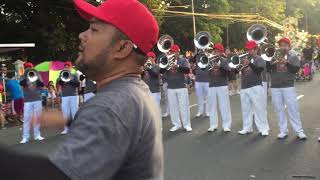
50, 70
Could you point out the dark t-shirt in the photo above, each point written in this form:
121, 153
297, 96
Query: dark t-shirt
152, 80
249, 77
307, 53
70, 88
116, 135
91, 86
219, 76
281, 76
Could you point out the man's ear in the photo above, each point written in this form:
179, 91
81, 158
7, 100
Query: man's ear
123, 49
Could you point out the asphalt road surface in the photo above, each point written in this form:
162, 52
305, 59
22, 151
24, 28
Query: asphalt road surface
200, 155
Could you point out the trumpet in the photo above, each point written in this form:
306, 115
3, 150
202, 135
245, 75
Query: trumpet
257, 33
206, 60
32, 75
236, 61
65, 76
166, 61
272, 54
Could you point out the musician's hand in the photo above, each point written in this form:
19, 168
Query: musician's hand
51, 120
174, 66
246, 62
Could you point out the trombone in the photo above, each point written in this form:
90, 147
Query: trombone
165, 60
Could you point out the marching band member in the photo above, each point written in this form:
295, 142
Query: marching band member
252, 93
283, 72
151, 76
201, 88
32, 103
69, 94
219, 91
178, 96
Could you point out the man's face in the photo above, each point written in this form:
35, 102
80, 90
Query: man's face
217, 52
284, 46
152, 59
228, 52
96, 49
67, 67
252, 52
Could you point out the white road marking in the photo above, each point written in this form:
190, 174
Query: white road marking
194, 105
299, 97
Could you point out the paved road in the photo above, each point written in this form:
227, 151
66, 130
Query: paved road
199, 155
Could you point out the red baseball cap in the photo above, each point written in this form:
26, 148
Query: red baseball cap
151, 54
68, 63
285, 40
129, 16
251, 45
28, 65
219, 46
175, 48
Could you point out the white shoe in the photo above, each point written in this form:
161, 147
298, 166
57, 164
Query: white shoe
165, 115
207, 115
188, 129
227, 130
238, 92
211, 129
302, 136
39, 138
282, 135
65, 131
266, 133
24, 140
198, 114
174, 128
244, 132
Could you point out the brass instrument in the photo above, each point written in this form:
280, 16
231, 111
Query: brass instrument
236, 61
32, 75
148, 65
202, 41
165, 60
257, 33
65, 76
272, 54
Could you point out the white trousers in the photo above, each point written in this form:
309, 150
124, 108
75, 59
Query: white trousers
265, 92
165, 98
69, 106
219, 95
157, 98
32, 111
202, 89
252, 102
282, 97
88, 96
179, 103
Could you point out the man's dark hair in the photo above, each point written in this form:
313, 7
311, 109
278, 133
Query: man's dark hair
140, 56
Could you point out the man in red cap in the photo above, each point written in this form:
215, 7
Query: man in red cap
151, 76
219, 91
283, 72
178, 96
31, 84
116, 134
252, 93
69, 95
